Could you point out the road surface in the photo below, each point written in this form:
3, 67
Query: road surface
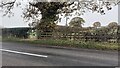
23, 54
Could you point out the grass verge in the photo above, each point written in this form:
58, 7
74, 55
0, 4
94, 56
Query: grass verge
69, 43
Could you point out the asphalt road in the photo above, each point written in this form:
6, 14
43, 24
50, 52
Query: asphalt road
54, 56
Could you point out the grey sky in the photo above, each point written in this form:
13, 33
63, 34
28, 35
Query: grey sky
89, 17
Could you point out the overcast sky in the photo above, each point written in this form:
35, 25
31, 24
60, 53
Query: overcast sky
89, 17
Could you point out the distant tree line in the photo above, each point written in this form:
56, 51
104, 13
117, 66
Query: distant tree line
15, 32
74, 31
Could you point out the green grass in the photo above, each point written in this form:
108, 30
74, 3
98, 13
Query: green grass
69, 43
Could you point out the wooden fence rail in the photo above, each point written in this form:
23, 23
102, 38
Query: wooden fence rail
78, 36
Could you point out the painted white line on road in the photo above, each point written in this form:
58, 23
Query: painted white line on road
24, 53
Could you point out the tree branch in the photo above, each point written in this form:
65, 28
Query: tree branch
9, 3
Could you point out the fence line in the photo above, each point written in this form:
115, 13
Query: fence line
81, 36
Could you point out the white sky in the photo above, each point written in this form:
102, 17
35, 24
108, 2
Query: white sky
89, 17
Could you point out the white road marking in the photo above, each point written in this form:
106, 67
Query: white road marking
24, 53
